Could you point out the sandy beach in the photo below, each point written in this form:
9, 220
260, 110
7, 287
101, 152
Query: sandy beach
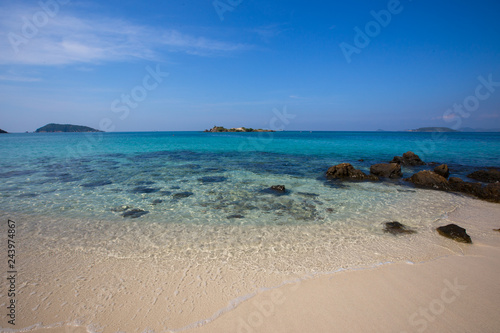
456, 293
84, 291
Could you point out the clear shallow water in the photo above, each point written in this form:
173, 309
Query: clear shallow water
191, 177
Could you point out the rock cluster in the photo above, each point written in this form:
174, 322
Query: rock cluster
436, 179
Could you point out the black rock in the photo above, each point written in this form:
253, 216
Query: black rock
387, 170
397, 228
442, 170
144, 189
429, 179
134, 213
308, 194
454, 232
278, 188
346, 171
181, 195
235, 216
409, 158
487, 176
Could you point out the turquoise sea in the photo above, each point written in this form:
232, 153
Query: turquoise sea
206, 177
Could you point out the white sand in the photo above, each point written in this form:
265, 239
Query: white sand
458, 292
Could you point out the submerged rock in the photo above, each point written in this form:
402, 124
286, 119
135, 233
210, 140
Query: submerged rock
156, 201
409, 158
181, 195
454, 232
134, 213
442, 170
487, 176
212, 179
144, 189
235, 216
387, 170
397, 228
97, 183
346, 171
278, 188
429, 179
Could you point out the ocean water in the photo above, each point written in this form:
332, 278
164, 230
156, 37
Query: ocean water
205, 178
208, 218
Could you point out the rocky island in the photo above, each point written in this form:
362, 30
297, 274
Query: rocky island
219, 129
2, 131
53, 128
433, 129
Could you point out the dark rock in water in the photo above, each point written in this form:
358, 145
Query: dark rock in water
134, 213
397, 228
429, 179
156, 201
330, 210
454, 232
442, 170
387, 170
307, 194
120, 209
235, 216
27, 195
165, 192
181, 195
278, 188
97, 183
347, 171
361, 160
458, 185
490, 192
212, 179
144, 189
175, 188
409, 158
487, 176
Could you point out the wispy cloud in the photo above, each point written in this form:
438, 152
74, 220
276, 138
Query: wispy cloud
19, 78
69, 39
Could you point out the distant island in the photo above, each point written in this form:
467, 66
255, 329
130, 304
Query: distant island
220, 129
433, 129
52, 128
3, 132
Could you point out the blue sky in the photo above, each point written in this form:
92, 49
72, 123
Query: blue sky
338, 65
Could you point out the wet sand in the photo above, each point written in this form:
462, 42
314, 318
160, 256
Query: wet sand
91, 291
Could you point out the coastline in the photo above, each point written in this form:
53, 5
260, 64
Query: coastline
96, 291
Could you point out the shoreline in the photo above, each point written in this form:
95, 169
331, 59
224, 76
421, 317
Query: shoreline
190, 299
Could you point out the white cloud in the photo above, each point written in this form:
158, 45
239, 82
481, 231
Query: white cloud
19, 78
68, 39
